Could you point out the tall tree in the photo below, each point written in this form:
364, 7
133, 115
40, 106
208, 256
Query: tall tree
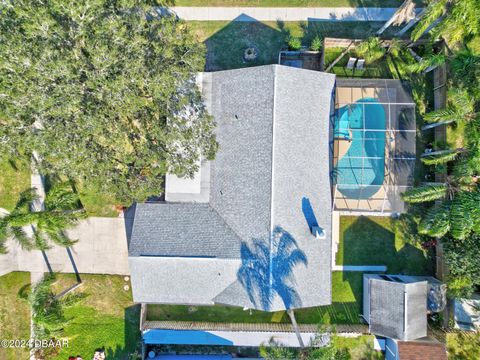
104, 91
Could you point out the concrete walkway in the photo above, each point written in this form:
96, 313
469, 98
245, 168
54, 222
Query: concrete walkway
284, 14
361, 268
101, 249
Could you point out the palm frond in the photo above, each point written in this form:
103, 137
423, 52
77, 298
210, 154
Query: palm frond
434, 10
464, 214
462, 101
440, 158
61, 197
60, 238
21, 237
429, 62
424, 193
26, 198
371, 49
448, 114
436, 221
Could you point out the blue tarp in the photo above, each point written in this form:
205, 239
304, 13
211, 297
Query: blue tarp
183, 337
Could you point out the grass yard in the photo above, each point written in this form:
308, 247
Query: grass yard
14, 313
377, 69
381, 241
105, 318
14, 178
346, 292
359, 348
292, 3
226, 40
463, 345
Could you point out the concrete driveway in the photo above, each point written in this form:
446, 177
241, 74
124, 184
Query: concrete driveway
101, 249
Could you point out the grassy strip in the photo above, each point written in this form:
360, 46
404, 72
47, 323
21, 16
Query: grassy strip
292, 3
381, 241
226, 41
14, 178
346, 293
106, 318
14, 313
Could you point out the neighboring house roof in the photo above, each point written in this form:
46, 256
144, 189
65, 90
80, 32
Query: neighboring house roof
269, 184
415, 350
467, 313
397, 310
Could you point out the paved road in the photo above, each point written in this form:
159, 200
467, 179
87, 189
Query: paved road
284, 14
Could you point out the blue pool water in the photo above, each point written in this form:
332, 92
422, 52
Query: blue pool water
363, 166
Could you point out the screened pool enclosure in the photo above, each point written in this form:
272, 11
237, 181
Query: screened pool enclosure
374, 136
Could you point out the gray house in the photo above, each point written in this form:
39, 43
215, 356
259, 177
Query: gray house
253, 227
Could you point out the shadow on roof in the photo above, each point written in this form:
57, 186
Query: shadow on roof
267, 270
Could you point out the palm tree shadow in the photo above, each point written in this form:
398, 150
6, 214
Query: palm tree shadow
267, 270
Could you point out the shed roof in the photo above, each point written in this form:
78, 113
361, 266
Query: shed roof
269, 184
398, 310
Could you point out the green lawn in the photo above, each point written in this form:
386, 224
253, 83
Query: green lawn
292, 3
381, 241
14, 178
14, 313
106, 318
359, 348
346, 293
226, 40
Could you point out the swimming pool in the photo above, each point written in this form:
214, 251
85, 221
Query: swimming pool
362, 168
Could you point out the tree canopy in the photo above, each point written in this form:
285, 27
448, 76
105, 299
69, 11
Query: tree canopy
104, 91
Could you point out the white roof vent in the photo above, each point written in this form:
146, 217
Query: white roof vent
318, 232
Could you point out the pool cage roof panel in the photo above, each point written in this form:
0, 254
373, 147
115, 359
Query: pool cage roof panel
374, 149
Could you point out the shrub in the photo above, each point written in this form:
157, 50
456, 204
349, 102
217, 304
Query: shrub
294, 43
371, 49
316, 44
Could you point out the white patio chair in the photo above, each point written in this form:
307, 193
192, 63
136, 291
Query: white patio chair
351, 63
361, 64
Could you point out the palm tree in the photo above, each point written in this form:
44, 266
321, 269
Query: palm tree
62, 211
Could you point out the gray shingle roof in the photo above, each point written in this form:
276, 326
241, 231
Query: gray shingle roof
182, 230
398, 310
272, 170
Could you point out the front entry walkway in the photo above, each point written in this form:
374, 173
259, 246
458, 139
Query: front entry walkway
283, 14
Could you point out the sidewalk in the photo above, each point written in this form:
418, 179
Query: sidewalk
284, 14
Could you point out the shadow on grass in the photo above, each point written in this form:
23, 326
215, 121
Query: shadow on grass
132, 337
225, 48
380, 242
